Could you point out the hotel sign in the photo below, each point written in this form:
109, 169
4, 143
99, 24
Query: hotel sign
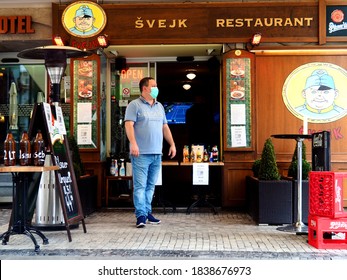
16, 25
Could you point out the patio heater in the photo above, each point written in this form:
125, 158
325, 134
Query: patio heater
49, 213
55, 62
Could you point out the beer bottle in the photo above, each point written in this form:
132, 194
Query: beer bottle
215, 153
9, 150
112, 167
38, 150
122, 168
199, 155
24, 150
116, 169
205, 157
186, 153
192, 155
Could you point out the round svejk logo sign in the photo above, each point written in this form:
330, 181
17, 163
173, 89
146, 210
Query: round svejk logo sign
84, 19
316, 91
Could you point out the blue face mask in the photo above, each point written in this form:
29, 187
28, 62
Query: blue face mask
154, 92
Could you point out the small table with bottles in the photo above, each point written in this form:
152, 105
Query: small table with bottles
204, 191
18, 223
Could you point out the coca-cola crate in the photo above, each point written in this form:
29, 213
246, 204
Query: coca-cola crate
326, 193
327, 233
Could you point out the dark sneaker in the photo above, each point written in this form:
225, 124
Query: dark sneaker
141, 222
152, 220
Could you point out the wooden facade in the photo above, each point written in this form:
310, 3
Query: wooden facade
297, 29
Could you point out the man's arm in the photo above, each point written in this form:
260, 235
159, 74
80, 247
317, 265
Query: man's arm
168, 137
129, 129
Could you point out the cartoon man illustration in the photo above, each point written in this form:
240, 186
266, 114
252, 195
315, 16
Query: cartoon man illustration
320, 94
84, 21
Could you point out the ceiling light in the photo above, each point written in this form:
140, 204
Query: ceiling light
210, 51
256, 38
58, 41
103, 42
186, 86
191, 74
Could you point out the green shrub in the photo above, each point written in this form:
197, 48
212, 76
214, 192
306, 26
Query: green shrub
268, 169
293, 167
256, 167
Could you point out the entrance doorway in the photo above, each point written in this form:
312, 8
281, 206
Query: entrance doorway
203, 98
200, 124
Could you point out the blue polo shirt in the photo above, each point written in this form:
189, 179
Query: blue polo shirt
148, 124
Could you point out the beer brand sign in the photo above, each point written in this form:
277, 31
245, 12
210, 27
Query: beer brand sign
336, 21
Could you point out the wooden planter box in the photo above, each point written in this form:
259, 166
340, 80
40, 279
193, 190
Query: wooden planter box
269, 202
304, 199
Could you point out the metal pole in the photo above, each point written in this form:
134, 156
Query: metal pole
299, 179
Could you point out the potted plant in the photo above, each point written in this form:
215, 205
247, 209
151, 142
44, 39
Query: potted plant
269, 196
293, 174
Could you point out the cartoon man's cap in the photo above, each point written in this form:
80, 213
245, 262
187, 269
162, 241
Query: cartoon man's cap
84, 11
320, 78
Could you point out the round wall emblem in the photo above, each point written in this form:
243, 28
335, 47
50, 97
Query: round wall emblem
316, 91
84, 19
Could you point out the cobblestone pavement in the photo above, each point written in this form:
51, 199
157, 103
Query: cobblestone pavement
111, 234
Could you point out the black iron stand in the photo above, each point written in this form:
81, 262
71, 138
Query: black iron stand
298, 227
162, 201
18, 222
202, 200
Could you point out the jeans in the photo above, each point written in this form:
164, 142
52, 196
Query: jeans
145, 174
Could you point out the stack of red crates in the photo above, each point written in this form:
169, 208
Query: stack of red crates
327, 220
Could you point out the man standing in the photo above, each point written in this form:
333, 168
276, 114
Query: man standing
146, 126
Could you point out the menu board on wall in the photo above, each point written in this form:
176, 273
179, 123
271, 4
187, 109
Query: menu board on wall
238, 102
85, 101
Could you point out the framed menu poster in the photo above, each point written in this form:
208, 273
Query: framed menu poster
85, 101
237, 93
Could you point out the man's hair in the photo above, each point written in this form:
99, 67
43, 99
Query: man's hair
144, 82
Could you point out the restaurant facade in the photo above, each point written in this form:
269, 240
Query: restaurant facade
256, 89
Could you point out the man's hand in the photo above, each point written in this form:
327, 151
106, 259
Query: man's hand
172, 151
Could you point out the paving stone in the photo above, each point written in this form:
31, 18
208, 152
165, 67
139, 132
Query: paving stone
111, 234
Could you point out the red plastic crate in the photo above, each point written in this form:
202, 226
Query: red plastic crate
326, 193
327, 233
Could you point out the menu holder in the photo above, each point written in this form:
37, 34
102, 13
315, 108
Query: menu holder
49, 119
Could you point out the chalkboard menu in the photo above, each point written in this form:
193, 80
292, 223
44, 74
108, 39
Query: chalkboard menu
65, 178
49, 119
